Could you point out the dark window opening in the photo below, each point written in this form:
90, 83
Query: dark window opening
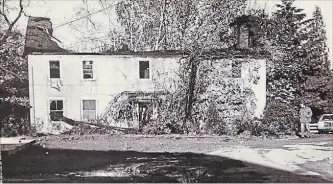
328, 117
56, 110
87, 67
144, 69
54, 69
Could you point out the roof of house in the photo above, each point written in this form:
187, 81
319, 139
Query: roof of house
141, 53
211, 54
39, 42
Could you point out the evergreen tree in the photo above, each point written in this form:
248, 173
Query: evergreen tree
285, 79
317, 63
319, 84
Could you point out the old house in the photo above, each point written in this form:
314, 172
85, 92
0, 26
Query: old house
81, 86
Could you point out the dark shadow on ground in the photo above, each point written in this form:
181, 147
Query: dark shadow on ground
37, 164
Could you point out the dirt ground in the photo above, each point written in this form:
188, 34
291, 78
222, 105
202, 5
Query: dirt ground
136, 158
169, 143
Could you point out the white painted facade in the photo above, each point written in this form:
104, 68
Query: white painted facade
112, 74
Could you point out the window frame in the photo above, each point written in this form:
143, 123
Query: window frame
81, 109
49, 107
92, 70
149, 68
50, 69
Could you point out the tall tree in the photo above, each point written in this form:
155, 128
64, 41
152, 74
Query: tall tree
175, 24
143, 23
319, 84
317, 62
13, 73
192, 26
213, 19
286, 79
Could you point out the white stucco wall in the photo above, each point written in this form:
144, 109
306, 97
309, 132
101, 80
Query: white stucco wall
251, 70
114, 74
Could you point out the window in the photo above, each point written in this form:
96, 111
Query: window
88, 109
144, 69
56, 110
87, 67
54, 69
236, 69
328, 117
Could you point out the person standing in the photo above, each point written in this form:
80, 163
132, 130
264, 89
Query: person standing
305, 115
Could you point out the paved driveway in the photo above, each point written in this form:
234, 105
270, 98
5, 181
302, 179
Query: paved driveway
311, 158
143, 159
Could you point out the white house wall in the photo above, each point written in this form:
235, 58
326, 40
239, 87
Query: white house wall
114, 74
256, 68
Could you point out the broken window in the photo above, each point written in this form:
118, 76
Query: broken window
236, 69
144, 69
54, 69
88, 109
56, 110
87, 69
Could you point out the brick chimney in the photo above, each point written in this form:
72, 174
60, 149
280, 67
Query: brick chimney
39, 36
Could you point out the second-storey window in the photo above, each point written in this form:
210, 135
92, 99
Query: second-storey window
88, 109
144, 69
87, 68
56, 110
54, 69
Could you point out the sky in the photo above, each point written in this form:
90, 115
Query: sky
62, 11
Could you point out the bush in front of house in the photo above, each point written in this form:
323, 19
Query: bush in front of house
15, 120
170, 115
279, 119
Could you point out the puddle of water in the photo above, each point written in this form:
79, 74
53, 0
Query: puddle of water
110, 172
102, 173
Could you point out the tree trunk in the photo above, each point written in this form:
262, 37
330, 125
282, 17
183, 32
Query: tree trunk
131, 27
190, 93
161, 28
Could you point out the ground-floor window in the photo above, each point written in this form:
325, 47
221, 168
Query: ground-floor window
56, 109
88, 110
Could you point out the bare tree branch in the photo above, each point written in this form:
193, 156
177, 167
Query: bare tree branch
2, 13
12, 73
10, 24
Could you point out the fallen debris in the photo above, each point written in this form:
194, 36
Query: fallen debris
84, 129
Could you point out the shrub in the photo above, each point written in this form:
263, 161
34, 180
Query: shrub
279, 119
214, 124
170, 113
160, 127
15, 122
